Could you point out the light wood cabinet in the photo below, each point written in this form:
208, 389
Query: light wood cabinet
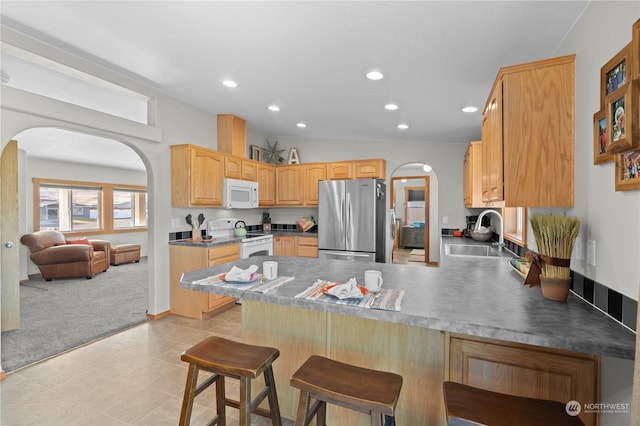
284, 245
240, 168
232, 135
363, 169
313, 173
524, 370
307, 246
196, 304
196, 176
290, 185
342, 170
473, 175
528, 135
266, 177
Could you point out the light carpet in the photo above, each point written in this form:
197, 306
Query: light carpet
60, 315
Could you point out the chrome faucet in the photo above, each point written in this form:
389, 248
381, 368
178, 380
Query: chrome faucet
501, 229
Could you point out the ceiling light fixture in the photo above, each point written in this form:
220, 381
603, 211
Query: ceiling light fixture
391, 107
274, 108
403, 126
229, 83
469, 108
427, 168
301, 125
375, 75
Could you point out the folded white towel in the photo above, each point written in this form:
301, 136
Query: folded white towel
237, 274
347, 290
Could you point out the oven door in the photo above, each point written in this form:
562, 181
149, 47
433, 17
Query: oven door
256, 247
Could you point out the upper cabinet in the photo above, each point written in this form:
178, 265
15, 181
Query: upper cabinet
289, 185
337, 171
266, 185
313, 173
240, 168
473, 175
196, 176
528, 136
357, 169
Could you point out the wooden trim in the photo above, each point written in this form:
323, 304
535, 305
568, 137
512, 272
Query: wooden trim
159, 316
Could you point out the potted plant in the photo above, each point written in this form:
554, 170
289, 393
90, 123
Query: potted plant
555, 236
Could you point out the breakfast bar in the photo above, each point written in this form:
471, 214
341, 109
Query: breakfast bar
449, 316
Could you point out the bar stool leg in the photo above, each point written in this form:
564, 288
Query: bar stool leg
189, 395
274, 407
221, 406
245, 397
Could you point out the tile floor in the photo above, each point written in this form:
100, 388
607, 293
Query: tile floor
135, 377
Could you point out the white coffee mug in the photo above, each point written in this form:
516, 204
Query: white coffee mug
270, 270
373, 280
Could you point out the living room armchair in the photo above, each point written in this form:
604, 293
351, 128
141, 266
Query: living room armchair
57, 257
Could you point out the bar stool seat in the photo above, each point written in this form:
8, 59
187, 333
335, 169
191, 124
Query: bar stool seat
471, 406
227, 358
361, 389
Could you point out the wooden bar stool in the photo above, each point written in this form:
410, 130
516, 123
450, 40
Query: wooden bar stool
226, 358
470, 406
361, 389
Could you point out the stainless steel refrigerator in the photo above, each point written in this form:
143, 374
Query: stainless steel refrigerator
352, 219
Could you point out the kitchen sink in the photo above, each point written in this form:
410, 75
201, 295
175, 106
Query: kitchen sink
471, 250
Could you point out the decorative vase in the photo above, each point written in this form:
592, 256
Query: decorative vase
555, 288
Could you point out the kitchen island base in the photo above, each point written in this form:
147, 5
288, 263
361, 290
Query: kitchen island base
425, 358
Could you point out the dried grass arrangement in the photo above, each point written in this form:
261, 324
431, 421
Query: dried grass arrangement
555, 236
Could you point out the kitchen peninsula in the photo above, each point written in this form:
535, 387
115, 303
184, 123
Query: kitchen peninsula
448, 318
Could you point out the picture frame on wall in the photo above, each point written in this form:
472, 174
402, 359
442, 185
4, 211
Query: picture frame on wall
615, 74
620, 115
628, 171
600, 141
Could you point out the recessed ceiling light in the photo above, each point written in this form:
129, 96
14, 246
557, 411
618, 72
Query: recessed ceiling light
403, 126
391, 107
301, 125
403, 180
274, 108
375, 75
426, 168
229, 83
469, 108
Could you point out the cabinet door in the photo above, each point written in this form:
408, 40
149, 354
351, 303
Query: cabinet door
290, 185
528, 371
312, 174
369, 169
467, 179
250, 170
266, 176
232, 167
307, 246
284, 246
492, 166
473, 175
218, 256
206, 177
342, 170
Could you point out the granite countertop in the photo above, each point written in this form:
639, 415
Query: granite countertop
231, 240
476, 296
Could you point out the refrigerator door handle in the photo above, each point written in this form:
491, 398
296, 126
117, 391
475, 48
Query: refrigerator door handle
348, 220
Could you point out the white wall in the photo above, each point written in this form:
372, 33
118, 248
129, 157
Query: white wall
31, 167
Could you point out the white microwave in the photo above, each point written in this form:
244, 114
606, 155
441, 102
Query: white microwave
240, 194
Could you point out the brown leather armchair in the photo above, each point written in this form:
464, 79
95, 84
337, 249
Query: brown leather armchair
57, 259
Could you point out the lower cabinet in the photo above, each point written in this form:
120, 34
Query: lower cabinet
524, 370
196, 304
412, 237
287, 245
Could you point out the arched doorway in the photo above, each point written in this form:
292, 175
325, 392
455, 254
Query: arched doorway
63, 155
414, 205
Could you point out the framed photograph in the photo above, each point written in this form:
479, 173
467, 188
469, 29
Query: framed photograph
635, 43
614, 74
600, 141
628, 171
256, 152
620, 115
